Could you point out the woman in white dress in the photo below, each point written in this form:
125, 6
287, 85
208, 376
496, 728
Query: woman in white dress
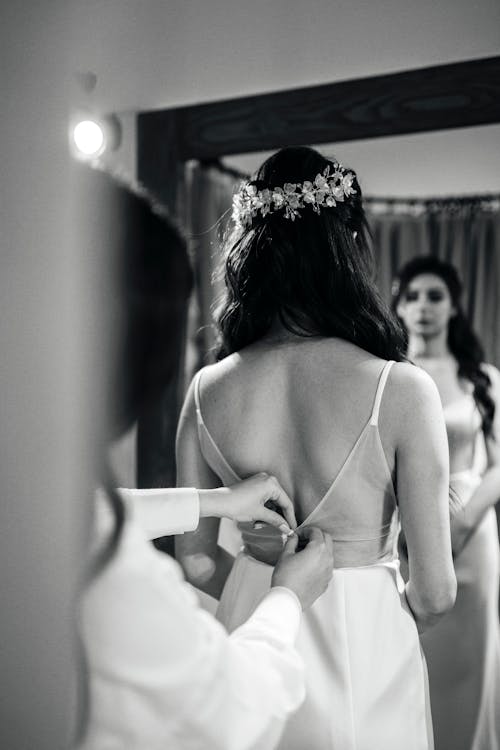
312, 387
463, 650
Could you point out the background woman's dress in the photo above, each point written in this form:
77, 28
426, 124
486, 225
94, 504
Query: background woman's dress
463, 649
366, 678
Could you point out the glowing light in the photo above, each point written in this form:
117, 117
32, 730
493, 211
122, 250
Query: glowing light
88, 137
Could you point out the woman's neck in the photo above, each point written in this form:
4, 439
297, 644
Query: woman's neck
428, 347
278, 333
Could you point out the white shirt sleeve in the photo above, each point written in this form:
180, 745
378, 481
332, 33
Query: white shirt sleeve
162, 512
179, 679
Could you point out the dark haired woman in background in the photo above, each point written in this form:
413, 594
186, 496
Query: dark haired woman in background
463, 650
312, 384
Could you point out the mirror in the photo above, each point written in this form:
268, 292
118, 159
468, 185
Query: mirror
427, 192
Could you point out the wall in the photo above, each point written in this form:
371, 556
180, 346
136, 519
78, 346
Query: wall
46, 386
159, 53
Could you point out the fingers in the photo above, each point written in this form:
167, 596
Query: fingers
317, 539
272, 518
313, 534
290, 545
329, 543
329, 547
278, 494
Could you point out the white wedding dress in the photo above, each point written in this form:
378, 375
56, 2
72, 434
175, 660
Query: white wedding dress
366, 678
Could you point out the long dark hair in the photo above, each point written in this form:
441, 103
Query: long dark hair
314, 274
151, 279
462, 341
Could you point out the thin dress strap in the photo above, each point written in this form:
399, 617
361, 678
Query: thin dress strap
197, 379
209, 448
380, 391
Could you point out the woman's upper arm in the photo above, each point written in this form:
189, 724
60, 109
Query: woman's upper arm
493, 440
422, 460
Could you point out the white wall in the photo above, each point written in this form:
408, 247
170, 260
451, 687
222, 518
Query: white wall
45, 387
169, 52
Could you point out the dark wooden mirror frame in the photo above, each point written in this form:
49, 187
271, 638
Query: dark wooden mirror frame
441, 97
455, 95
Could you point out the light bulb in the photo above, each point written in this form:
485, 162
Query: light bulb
88, 137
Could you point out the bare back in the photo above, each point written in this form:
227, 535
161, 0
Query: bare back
296, 411
351, 441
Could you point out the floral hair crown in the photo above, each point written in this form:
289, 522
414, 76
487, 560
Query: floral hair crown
326, 191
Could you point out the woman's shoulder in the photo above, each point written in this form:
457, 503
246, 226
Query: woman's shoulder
411, 385
492, 371
494, 375
220, 370
413, 409
214, 377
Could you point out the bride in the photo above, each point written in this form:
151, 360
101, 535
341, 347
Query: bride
312, 387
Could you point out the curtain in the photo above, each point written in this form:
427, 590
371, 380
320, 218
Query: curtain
464, 232
208, 210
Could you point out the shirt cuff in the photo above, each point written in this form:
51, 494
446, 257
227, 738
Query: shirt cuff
163, 512
281, 611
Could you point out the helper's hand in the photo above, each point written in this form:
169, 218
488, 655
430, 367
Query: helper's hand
307, 572
252, 499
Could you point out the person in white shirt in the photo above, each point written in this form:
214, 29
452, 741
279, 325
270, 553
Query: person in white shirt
161, 671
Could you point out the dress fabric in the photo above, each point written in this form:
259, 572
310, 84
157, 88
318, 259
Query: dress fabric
463, 649
366, 680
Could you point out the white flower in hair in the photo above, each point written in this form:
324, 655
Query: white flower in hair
278, 198
308, 192
320, 180
265, 196
347, 181
325, 191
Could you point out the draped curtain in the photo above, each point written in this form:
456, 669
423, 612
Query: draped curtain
208, 210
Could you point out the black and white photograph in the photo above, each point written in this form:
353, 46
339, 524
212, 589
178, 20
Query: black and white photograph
250, 375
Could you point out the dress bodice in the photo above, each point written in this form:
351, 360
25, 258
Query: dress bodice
463, 426
468, 458
359, 510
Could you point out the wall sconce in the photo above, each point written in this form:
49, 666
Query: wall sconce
91, 135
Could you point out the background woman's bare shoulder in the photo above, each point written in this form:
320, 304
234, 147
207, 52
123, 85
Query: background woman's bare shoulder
494, 376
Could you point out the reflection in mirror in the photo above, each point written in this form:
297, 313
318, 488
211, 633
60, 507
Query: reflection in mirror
432, 202
438, 195
260, 390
